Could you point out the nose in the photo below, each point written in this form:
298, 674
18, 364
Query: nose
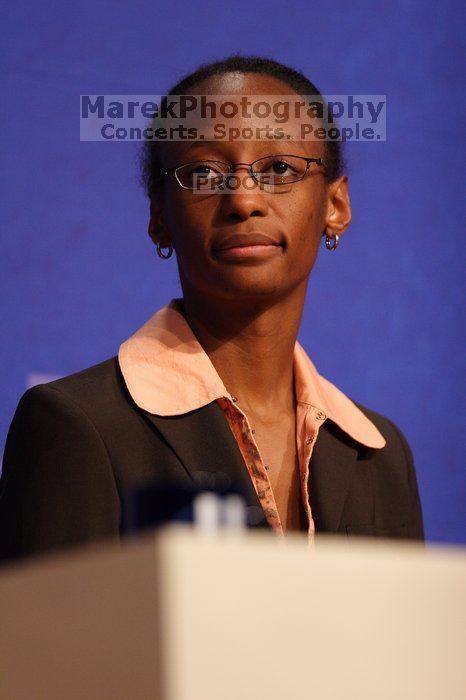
242, 196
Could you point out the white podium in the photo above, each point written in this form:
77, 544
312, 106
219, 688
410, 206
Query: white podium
181, 615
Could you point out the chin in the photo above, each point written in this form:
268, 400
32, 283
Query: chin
252, 292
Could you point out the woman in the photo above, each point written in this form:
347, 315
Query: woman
215, 383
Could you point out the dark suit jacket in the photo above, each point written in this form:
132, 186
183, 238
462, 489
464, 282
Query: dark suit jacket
76, 444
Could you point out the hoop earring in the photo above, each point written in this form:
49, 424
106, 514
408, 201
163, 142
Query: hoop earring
331, 242
159, 251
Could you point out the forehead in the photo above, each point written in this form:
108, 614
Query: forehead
242, 84
239, 84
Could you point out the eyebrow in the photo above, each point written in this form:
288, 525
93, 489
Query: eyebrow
213, 144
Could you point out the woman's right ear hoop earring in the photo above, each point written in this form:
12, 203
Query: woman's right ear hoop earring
162, 255
331, 242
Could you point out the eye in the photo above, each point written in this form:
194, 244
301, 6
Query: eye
280, 167
201, 169
205, 169
201, 174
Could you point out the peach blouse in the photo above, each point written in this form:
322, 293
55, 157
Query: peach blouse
167, 373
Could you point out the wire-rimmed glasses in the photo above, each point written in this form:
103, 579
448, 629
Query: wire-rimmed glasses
269, 171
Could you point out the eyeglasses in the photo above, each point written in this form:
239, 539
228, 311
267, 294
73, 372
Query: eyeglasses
270, 171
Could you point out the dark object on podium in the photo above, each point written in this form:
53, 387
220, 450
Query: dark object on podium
163, 502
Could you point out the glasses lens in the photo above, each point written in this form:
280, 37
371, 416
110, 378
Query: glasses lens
279, 170
202, 175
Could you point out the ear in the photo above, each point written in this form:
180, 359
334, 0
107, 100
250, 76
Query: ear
157, 228
338, 214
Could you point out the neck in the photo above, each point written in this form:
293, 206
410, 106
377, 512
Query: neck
251, 345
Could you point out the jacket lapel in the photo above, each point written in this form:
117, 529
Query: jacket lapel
331, 468
205, 445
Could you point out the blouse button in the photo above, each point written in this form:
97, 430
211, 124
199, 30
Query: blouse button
320, 415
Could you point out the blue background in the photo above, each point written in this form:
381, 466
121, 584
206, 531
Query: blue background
80, 274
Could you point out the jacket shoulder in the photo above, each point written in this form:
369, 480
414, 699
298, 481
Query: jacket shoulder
96, 395
97, 390
394, 465
96, 377
388, 428
57, 472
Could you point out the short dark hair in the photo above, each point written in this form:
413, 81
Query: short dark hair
149, 161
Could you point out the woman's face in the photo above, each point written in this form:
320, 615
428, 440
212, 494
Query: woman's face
294, 217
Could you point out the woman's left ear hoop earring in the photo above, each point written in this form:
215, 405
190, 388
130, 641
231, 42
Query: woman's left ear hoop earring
331, 242
162, 255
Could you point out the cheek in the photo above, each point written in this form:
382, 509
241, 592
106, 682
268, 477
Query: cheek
188, 222
183, 221
307, 212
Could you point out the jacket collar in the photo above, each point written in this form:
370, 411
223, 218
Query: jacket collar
167, 372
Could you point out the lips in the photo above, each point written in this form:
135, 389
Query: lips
243, 240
